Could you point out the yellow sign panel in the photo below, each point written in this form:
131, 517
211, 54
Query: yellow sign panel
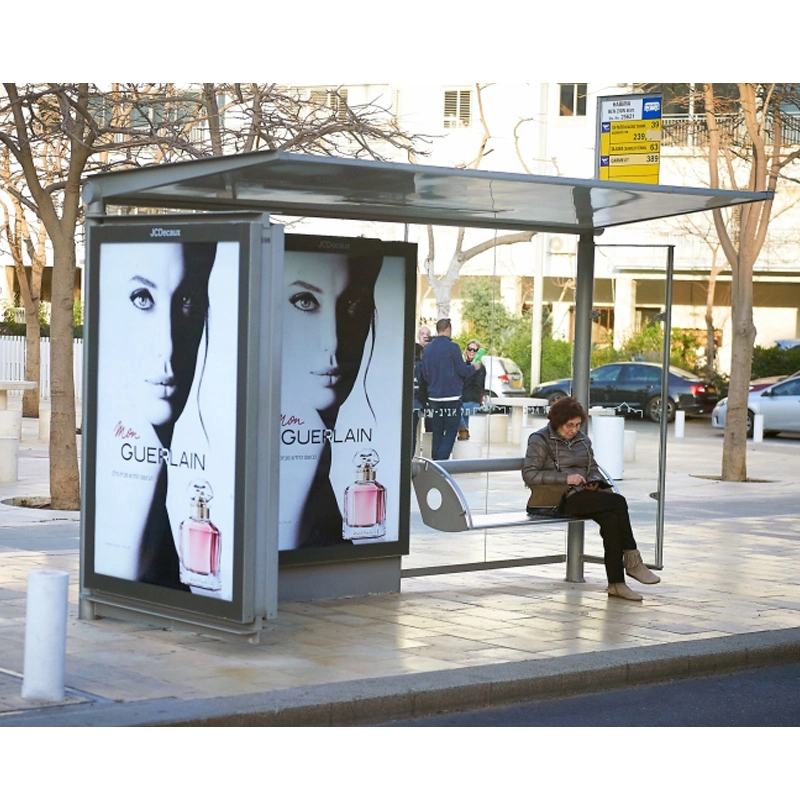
629, 138
652, 147
622, 161
642, 138
638, 125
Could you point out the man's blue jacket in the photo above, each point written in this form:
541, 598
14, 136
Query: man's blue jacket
444, 369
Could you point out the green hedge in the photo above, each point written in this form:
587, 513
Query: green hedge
18, 329
774, 361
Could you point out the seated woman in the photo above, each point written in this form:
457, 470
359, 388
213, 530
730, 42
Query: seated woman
560, 455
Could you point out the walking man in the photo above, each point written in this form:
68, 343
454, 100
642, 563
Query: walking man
472, 392
444, 371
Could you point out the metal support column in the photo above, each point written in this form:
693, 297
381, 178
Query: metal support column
87, 608
581, 362
663, 422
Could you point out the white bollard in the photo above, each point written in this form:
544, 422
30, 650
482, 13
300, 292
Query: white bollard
9, 459
427, 444
498, 428
10, 422
467, 448
758, 428
45, 635
629, 451
680, 424
608, 442
44, 423
478, 427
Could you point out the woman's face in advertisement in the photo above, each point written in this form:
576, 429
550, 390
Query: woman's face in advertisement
328, 313
159, 309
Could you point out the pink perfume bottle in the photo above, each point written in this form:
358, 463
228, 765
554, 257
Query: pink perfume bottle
200, 541
364, 501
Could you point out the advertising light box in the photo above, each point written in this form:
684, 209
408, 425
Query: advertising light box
170, 442
345, 413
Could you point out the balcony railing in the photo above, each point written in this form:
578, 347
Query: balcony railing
684, 130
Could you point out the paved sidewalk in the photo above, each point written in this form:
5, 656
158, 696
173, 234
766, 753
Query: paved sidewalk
729, 598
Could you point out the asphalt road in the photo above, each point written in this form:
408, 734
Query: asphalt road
766, 697
41, 537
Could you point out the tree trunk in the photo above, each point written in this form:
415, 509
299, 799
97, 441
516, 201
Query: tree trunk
734, 443
711, 347
64, 474
33, 342
31, 294
441, 291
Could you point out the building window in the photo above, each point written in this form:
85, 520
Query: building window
457, 108
331, 100
572, 100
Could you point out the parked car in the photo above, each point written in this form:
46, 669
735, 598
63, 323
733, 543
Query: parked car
779, 404
635, 386
763, 383
757, 384
503, 378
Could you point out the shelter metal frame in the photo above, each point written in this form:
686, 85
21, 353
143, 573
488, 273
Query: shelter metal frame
282, 183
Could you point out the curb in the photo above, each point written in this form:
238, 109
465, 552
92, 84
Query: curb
373, 701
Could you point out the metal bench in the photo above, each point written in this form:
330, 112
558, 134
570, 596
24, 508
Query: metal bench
443, 506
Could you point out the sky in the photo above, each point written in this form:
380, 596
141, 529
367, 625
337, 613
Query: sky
430, 41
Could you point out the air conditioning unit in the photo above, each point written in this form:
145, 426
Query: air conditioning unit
556, 244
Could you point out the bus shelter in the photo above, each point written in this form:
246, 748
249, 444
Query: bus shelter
237, 196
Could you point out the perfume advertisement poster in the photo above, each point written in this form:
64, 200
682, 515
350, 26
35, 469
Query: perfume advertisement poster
341, 396
166, 428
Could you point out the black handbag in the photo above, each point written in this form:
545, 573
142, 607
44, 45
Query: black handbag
548, 497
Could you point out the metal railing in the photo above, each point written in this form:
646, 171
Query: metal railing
12, 363
685, 130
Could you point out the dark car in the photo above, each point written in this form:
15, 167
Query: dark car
635, 386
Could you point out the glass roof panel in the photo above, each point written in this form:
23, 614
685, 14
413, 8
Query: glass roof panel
279, 182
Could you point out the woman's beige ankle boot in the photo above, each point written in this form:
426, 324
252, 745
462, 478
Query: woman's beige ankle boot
621, 590
632, 560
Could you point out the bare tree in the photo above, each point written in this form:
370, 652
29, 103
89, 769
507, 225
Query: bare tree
442, 282
23, 239
701, 227
751, 155
58, 134
750, 133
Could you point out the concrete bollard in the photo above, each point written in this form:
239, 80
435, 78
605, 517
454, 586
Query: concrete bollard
45, 635
608, 442
44, 423
629, 446
680, 424
467, 448
758, 428
478, 427
9, 459
498, 428
427, 444
10, 422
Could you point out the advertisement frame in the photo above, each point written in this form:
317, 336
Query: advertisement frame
407, 254
253, 587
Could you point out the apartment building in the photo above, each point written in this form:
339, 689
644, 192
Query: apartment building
550, 128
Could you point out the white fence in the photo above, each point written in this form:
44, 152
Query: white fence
12, 363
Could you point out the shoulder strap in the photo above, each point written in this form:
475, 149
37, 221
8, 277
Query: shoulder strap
549, 448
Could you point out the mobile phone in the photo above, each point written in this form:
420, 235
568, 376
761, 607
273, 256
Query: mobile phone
479, 355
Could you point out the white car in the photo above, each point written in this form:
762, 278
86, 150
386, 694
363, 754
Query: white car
503, 378
779, 404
